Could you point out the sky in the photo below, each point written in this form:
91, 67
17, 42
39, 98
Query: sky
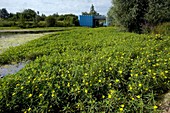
49, 7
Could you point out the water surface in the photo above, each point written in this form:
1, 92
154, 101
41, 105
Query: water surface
11, 69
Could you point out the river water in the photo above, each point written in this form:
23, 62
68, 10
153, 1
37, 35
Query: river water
12, 40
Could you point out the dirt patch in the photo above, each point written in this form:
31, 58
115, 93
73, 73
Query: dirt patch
165, 103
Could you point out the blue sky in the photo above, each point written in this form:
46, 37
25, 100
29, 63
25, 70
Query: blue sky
48, 7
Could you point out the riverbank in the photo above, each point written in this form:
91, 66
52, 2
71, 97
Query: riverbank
34, 30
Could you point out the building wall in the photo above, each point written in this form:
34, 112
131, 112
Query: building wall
86, 20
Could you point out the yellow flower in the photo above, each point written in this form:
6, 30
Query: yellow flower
136, 75
22, 87
103, 96
68, 85
18, 85
30, 95
86, 91
25, 111
146, 89
138, 96
166, 71
40, 95
29, 109
140, 85
122, 105
121, 109
155, 107
120, 72
13, 94
165, 77
130, 88
112, 91
52, 95
153, 77
109, 96
149, 71
87, 83
110, 68
58, 87
85, 74
117, 80
99, 80
133, 98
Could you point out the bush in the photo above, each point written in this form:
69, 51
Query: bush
163, 29
42, 24
50, 21
4, 23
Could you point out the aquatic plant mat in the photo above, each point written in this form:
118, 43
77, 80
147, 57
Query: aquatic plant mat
88, 70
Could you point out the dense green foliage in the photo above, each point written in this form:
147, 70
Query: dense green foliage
87, 70
31, 19
163, 29
50, 21
4, 13
136, 15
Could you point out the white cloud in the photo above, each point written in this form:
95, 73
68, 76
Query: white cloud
52, 6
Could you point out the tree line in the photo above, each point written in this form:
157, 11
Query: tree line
30, 18
139, 15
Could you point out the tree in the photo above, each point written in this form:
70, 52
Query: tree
92, 11
42, 17
36, 20
134, 14
4, 13
29, 14
158, 11
22, 21
50, 21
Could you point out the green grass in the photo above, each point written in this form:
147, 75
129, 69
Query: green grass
88, 70
43, 28
9, 28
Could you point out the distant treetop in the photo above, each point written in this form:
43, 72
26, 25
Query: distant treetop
92, 11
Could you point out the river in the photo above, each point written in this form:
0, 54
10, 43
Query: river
12, 40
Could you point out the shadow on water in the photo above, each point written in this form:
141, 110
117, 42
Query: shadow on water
11, 69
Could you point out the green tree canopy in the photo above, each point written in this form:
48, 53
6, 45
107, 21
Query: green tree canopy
134, 14
29, 14
50, 21
4, 13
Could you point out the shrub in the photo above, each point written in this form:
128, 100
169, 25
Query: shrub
163, 29
42, 24
4, 23
50, 21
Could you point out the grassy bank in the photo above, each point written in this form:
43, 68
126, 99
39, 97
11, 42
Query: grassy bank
88, 70
33, 30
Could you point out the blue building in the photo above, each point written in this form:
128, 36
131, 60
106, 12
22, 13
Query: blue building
90, 20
